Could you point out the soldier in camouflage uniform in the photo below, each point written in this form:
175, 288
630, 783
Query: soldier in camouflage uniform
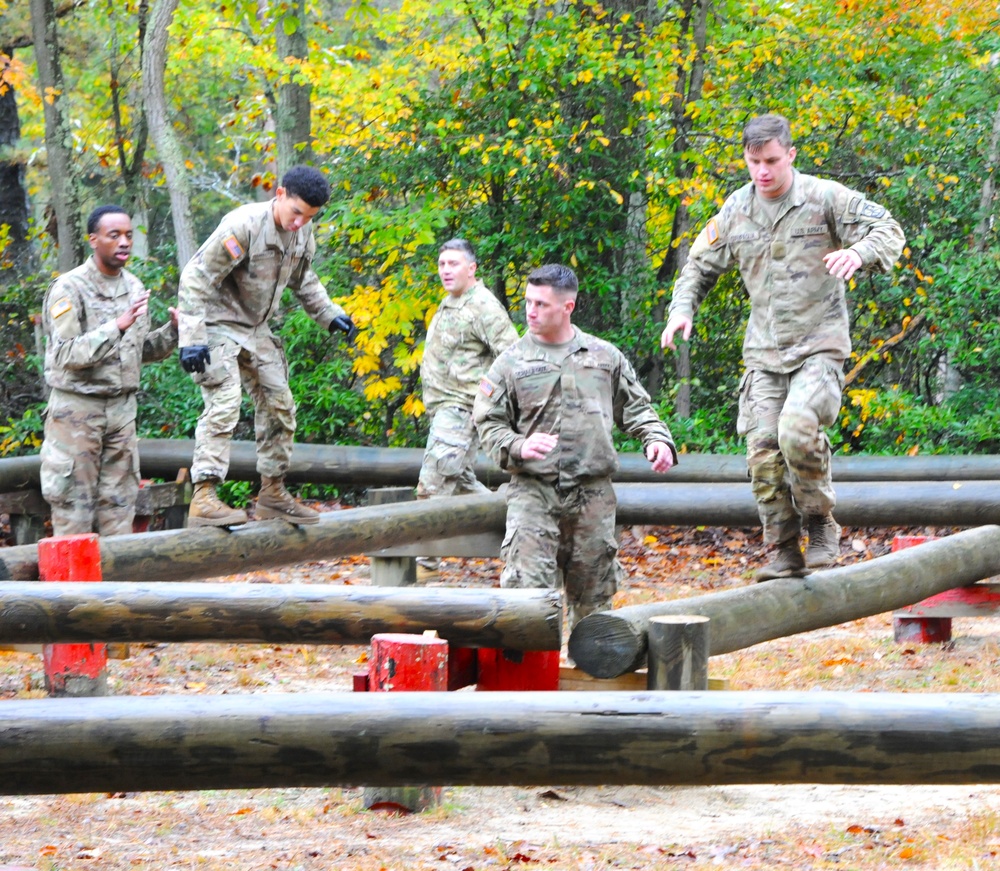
229, 291
97, 325
796, 240
545, 413
468, 331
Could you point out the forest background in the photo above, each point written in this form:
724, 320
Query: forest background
602, 135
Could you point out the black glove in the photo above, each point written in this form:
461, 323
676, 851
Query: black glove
345, 325
195, 358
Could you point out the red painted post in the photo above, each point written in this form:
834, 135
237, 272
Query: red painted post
918, 630
406, 663
73, 669
518, 669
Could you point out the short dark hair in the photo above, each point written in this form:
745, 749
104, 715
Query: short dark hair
459, 245
308, 184
94, 219
762, 129
560, 278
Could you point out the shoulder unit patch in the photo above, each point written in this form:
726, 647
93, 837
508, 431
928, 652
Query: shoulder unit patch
60, 307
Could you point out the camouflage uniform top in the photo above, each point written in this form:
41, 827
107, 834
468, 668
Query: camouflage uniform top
86, 352
232, 287
797, 309
466, 334
531, 388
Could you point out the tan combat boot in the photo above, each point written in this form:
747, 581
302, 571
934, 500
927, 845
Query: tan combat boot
207, 509
274, 502
787, 562
824, 540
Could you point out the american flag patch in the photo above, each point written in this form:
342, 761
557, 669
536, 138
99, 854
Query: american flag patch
233, 246
712, 232
487, 387
60, 307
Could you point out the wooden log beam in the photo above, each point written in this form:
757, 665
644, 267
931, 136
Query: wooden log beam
503, 738
202, 552
610, 643
32, 613
354, 466
859, 503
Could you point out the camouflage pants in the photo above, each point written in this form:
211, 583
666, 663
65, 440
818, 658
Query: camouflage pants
264, 376
788, 452
90, 463
450, 455
565, 538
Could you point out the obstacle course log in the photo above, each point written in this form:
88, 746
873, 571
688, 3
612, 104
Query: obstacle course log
505, 738
194, 554
861, 503
33, 613
610, 643
349, 465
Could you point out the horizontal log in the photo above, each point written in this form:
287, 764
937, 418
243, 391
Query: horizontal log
356, 466
610, 643
503, 738
204, 552
276, 613
859, 503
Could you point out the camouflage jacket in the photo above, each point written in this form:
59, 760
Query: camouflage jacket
232, 287
797, 309
86, 352
465, 336
531, 388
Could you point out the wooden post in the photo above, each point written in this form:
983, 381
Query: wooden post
918, 630
392, 571
406, 663
678, 653
73, 669
503, 669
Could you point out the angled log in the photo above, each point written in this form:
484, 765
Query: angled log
610, 643
32, 613
199, 553
503, 738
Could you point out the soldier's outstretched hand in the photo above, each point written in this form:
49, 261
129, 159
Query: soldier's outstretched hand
675, 323
660, 456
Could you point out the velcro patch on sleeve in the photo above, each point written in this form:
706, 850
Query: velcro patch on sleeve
232, 245
712, 232
61, 306
487, 387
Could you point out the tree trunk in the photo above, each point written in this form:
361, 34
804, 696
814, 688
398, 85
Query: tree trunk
71, 612
610, 643
14, 206
168, 147
269, 740
69, 233
294, 121
690, 81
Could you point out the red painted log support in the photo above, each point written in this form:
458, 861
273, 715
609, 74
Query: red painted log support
917, 630
518, 669
406, 663
73, 669
929, 620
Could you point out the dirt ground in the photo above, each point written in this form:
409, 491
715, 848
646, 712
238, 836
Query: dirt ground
552, 826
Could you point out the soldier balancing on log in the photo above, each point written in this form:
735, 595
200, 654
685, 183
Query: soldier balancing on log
796, 241
545, 413
228, 293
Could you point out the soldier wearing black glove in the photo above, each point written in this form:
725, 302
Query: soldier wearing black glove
345, 325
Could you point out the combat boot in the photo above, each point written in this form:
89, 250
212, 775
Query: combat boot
274, 502
207, 509
824, 540
787, 562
